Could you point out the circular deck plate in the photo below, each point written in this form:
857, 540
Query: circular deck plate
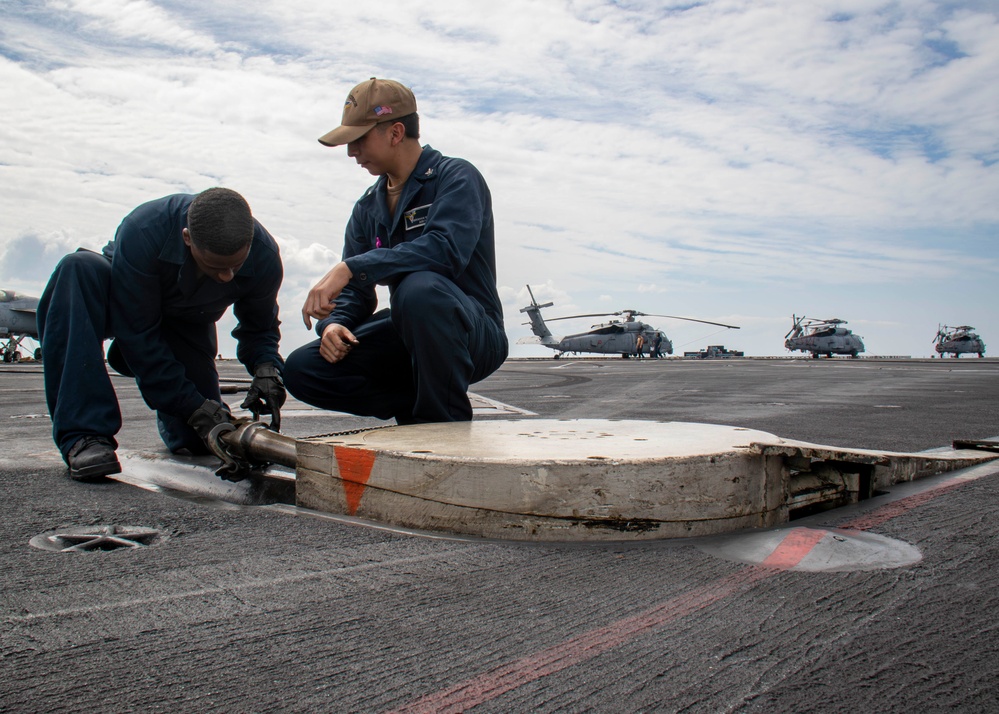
549, 440
538, 479
96, 538
815, 550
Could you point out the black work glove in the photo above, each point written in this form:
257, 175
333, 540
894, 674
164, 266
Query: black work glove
206, 417
266, 394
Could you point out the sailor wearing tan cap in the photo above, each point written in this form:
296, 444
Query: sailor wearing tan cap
424, 229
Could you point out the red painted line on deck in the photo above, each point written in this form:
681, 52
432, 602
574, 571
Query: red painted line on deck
586, 646
897, 508
798, 543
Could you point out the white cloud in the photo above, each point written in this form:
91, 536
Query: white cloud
136, 20
726, 158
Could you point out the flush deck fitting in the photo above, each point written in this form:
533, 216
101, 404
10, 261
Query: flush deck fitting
591, 479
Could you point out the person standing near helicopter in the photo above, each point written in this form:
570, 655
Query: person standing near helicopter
657, 342
424, 229
639, 346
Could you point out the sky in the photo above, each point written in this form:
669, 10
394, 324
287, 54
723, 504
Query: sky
737, 161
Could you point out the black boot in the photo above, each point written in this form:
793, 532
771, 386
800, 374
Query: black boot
92, 458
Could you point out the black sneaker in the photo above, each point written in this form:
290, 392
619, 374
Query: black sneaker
92, 458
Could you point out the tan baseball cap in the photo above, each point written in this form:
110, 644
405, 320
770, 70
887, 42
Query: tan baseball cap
368, 104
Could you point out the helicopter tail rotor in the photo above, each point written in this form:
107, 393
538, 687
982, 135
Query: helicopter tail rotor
537, 322
797, 326
534, 303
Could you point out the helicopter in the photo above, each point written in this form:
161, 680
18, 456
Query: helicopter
613, 337
17, 321
957, 340
822, 337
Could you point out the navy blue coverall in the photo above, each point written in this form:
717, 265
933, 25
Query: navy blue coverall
444, 328
146, 292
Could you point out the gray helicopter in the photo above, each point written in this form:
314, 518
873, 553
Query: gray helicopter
17, 321
613, 337
822, 337
958, 340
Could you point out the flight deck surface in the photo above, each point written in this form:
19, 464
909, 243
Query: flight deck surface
271, 608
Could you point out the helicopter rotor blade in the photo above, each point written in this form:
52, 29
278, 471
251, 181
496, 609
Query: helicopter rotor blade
693, 319
592, 314
635, 313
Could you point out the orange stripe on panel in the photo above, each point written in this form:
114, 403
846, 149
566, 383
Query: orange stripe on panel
355, 470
